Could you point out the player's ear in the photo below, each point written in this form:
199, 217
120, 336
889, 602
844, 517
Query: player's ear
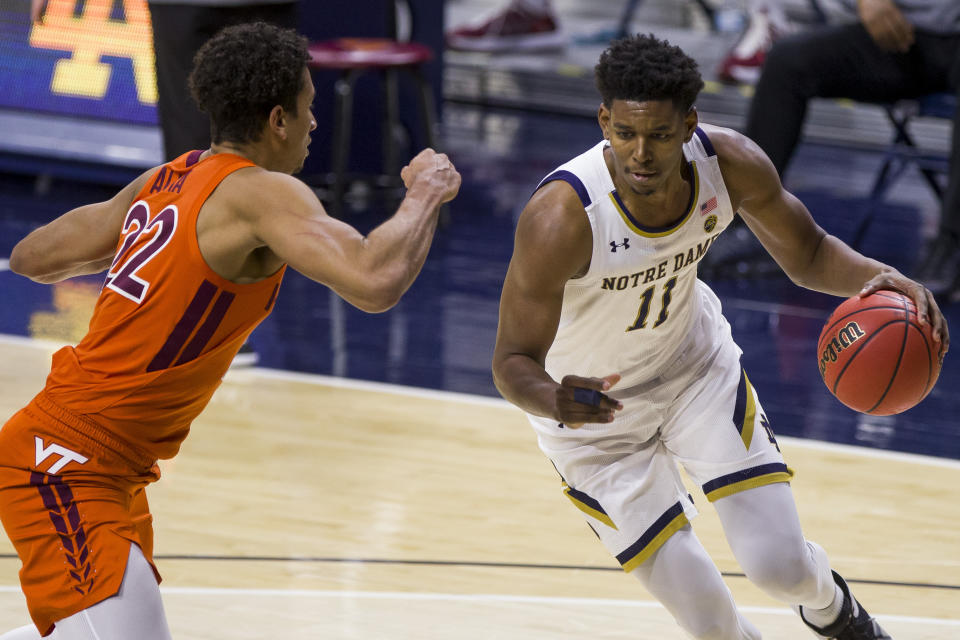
690, 122
603, 117
277, 121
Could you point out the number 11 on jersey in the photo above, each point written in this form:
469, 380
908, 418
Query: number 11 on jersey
646, 298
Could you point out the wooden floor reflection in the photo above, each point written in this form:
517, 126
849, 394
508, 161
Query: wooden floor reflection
308, 507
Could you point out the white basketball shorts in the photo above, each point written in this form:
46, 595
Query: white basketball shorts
704, 416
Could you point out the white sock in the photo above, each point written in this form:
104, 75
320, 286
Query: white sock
821, 617
28, 632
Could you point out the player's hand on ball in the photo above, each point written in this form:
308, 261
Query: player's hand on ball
436, 170
928, 311
582, 400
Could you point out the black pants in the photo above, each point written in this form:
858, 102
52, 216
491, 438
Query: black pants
178, 32
844, 62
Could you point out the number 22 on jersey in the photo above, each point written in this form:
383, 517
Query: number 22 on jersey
122, 276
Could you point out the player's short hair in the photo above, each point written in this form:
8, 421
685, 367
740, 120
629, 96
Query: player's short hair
641, 67
242, 73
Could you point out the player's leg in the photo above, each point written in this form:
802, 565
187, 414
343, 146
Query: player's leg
725, 441
763, 530
629, 489
685, 580
73, 531
135, 612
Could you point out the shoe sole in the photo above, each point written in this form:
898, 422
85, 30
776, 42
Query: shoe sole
493, 44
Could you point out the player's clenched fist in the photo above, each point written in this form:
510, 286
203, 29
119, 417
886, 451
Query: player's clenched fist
435, 169
582, 400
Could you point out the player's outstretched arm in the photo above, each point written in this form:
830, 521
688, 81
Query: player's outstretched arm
79, 242
370, 272
553, 244
811, 257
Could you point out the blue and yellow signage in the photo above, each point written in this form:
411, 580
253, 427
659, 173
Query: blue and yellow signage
91, 58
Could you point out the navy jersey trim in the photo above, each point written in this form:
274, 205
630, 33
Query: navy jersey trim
745, 409
672, 520
571, 179
705, 141
746, 479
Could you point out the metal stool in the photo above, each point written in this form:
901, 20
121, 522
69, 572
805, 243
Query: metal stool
902, 152
353, 57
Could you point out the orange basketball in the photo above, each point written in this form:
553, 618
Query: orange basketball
875, 357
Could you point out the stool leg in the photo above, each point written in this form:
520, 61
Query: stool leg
391, 123
623, 26
888, 172
427, 109
900, 119
931, 177
342, 124
428, 116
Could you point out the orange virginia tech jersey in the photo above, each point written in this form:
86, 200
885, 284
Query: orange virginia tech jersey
165, 327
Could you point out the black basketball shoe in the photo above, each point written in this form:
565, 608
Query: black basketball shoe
853, 623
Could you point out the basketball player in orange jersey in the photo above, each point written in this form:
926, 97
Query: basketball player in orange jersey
195, 252
625, 365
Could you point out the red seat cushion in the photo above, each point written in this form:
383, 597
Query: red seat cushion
365, 53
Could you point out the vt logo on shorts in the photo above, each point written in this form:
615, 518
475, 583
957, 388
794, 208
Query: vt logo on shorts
66, 455
61, 506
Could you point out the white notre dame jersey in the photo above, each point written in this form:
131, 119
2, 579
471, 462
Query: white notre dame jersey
634, 308
640, 311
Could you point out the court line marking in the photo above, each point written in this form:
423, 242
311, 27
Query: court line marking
4, 264
173, 557
484, 598
499, 403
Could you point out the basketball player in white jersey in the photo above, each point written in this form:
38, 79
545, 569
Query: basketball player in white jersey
625, 365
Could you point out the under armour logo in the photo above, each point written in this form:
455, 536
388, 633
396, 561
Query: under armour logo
625, 244
66, 455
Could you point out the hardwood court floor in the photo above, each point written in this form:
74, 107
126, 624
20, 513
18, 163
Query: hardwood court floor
307, 507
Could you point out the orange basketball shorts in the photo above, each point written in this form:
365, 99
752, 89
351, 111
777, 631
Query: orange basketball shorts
72, 501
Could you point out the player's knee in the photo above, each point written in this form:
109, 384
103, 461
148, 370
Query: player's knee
790, 578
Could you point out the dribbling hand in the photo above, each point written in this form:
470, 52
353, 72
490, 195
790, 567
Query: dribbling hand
434, 168
581, 400
928, 311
